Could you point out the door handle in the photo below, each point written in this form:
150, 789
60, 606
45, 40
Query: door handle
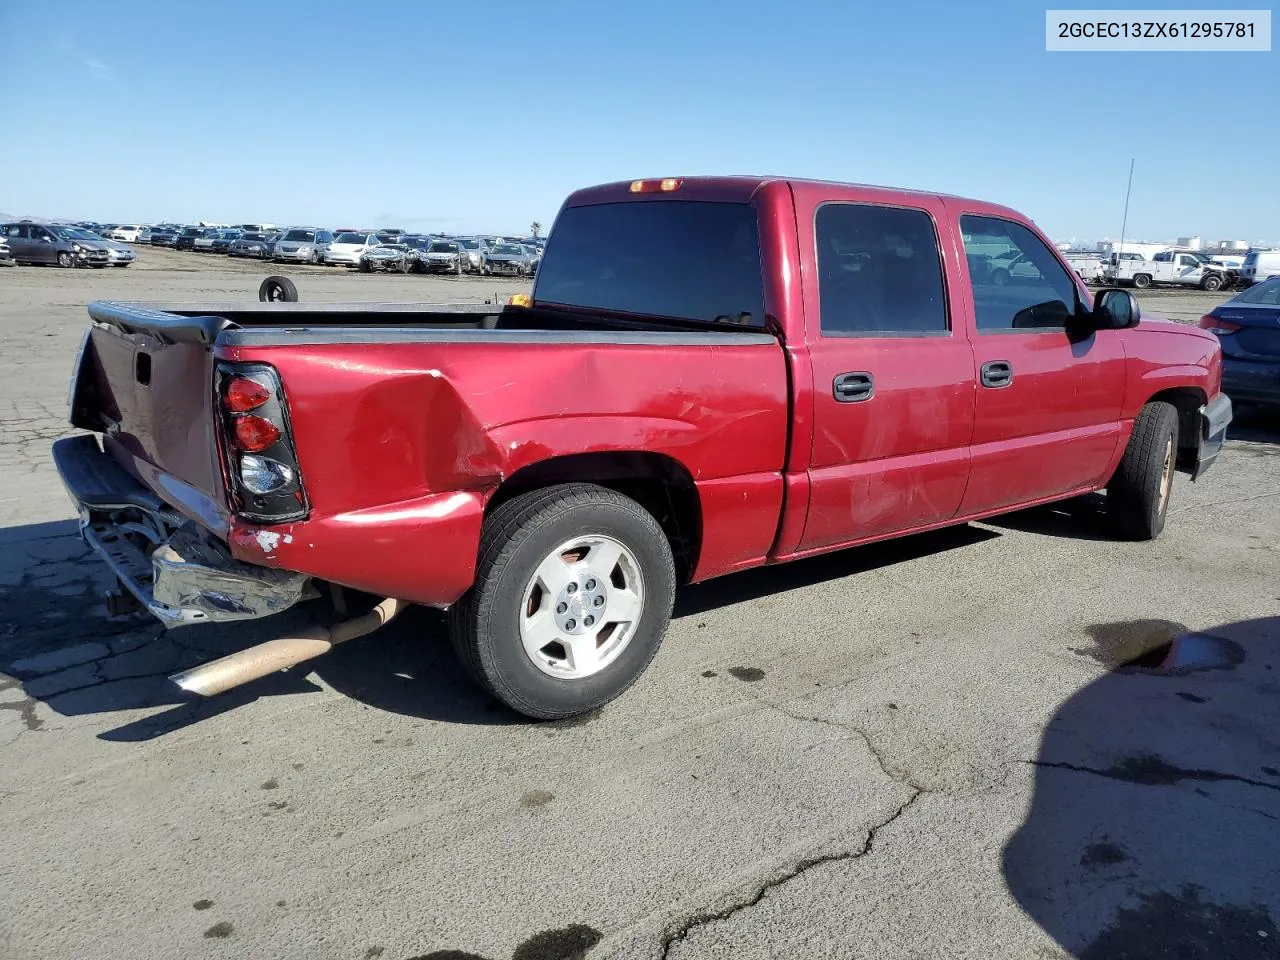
997, 373
853, 387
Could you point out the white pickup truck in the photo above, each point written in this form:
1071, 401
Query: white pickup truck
1169, 267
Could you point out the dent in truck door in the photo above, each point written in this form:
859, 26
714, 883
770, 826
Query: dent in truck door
893, 382
1048, 403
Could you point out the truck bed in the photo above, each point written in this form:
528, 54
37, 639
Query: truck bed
145, 379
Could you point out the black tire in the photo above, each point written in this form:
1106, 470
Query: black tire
1140, 490
1142, 280
66, 260
1000, 277
278, 290
365, 266
1211, 283
517, 537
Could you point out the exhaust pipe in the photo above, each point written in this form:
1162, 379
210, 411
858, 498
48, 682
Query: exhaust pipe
235, 669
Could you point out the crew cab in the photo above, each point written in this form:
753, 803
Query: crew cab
1171, 267
711, 374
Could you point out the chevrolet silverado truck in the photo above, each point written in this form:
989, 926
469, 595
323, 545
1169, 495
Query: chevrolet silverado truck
711, 374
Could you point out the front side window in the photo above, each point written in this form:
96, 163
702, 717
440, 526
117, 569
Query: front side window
879, 271
1035, 292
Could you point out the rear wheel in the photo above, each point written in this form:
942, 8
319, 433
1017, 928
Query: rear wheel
573, 593
1000, 277
1139, 491
1142, 280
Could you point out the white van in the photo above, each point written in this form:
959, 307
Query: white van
1259, 265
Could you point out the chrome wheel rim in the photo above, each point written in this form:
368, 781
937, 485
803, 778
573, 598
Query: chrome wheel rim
581, 607
1166, 476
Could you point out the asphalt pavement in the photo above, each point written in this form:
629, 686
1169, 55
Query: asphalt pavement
955, 745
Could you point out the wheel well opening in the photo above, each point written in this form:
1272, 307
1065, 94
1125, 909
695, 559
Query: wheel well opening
657, 482
1187, 401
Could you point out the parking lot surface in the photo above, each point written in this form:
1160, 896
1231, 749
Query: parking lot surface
929, 748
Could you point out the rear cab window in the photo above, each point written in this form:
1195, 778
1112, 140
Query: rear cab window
678, 259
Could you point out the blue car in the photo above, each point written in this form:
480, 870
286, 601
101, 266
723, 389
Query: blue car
1248, 327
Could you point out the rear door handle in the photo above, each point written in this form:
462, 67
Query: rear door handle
853, 387
997, 373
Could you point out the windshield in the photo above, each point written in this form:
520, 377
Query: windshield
507, 250
470, 244
349, 238
305, 235
228, 235
443, 248
75, 233
694, 260
1266, 293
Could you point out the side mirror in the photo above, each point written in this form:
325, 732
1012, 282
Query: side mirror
1115, 309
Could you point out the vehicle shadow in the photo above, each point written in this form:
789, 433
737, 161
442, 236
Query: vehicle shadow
1154, 830
1080, 518
59, 646
1255, 425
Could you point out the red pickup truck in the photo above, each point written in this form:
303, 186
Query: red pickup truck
711, 374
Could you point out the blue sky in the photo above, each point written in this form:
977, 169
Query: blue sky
483, 115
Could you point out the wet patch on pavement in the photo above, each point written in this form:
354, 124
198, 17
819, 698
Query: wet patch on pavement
1098, 855
1163, 924
568, 943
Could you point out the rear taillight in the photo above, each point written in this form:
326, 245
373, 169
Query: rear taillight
254, 434
243, 394
260, 460
1219, 327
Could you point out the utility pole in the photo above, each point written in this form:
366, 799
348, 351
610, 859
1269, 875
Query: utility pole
1125, 222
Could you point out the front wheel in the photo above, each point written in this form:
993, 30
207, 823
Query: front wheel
1211, 283
66, 260
1138, 494
573, 593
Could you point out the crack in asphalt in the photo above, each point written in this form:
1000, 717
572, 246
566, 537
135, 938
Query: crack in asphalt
1151, 771
704, 917
861, 734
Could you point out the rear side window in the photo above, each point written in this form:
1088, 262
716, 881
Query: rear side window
690, 260
879, 271
1017, 282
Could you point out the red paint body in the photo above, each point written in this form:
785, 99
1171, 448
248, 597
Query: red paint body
401, 445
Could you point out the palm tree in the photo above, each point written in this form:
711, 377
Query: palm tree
535, 228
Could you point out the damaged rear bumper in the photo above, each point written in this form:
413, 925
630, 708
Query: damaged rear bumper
175, 568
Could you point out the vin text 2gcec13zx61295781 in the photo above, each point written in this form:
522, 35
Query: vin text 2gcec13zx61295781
711, 374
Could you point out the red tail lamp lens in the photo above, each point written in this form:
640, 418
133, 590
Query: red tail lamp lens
255, 433
244, 395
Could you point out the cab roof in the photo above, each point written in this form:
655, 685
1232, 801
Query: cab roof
743, 188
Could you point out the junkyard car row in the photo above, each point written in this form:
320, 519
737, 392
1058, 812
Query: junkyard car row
99, 245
